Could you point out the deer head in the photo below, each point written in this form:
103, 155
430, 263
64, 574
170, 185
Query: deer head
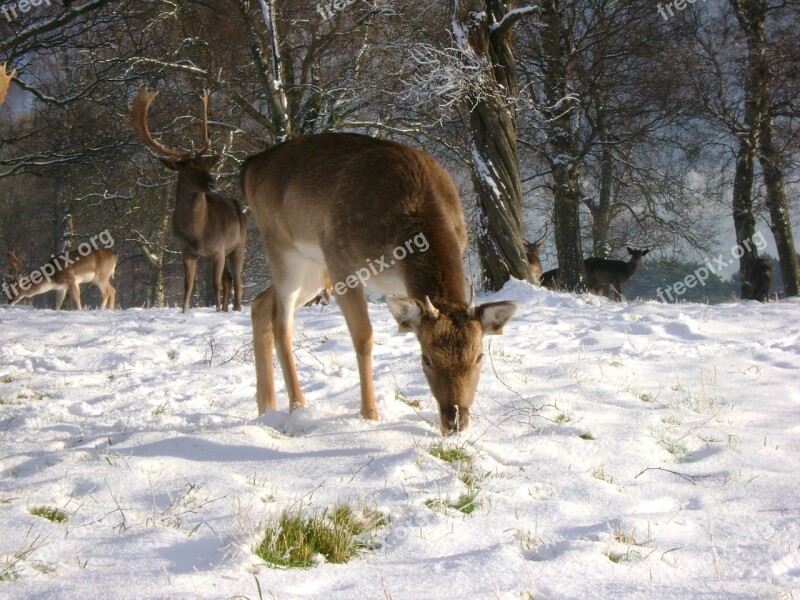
194, 169
451, 341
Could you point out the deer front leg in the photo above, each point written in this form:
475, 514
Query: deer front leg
219, 269
263, 341
75, 294
189, 269
60, 295
354, 309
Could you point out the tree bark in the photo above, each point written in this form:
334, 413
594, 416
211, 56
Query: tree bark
479, 27
564, 166
777, 204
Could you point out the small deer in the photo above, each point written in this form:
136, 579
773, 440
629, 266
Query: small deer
5, 81
65, 273
532, 250
761, 279
205, 224
601, 272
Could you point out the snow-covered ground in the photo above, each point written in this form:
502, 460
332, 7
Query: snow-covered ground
621, 450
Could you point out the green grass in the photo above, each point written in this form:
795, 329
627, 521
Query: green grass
51, 514
464, 504
586, 436
451, 455
294, 539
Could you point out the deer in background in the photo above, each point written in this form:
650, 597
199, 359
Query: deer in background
532, 250
65, 273
5, 81
206, 224
601, 272
761, 279
329, 204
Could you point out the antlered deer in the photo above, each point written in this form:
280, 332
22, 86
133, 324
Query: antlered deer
327, 205
761, 279
205, 224
601, 272
65, 273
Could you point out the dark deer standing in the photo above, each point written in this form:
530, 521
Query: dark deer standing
205, 224
761, 279
551, 281
328, 204
601, 272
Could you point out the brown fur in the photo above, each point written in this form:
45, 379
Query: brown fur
532, 250
97, 267
327, 205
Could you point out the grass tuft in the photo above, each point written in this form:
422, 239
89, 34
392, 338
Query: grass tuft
51, 514
295, 539
451, 455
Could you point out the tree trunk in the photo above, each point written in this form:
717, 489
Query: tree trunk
479, 28
743, 218
769, 158
564, 166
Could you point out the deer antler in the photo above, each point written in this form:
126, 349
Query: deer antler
5, 81
206, 142
138, 120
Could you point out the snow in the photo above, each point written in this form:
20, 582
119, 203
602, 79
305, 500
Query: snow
141, 425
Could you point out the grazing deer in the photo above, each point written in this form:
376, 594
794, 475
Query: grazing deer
601, 272
761, 279
329, 204
65, 273
5, 81
532, 250
205, 224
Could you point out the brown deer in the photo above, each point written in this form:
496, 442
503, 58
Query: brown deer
5, 81
532, 250
206, 225
761, 279
329, 204
65, 273
601, 272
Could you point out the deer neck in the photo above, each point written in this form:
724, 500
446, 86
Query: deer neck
437, 273
191, 212
632, 266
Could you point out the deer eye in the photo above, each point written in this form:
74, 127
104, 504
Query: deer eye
426, 361
479, 359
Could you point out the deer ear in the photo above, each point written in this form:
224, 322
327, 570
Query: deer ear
169, 163
212, 160
630, 250
407, 312
644, 252
494, 315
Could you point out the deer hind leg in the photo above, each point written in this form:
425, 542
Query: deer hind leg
237, 264
297, 280
354, 308
189, 269
263, 341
